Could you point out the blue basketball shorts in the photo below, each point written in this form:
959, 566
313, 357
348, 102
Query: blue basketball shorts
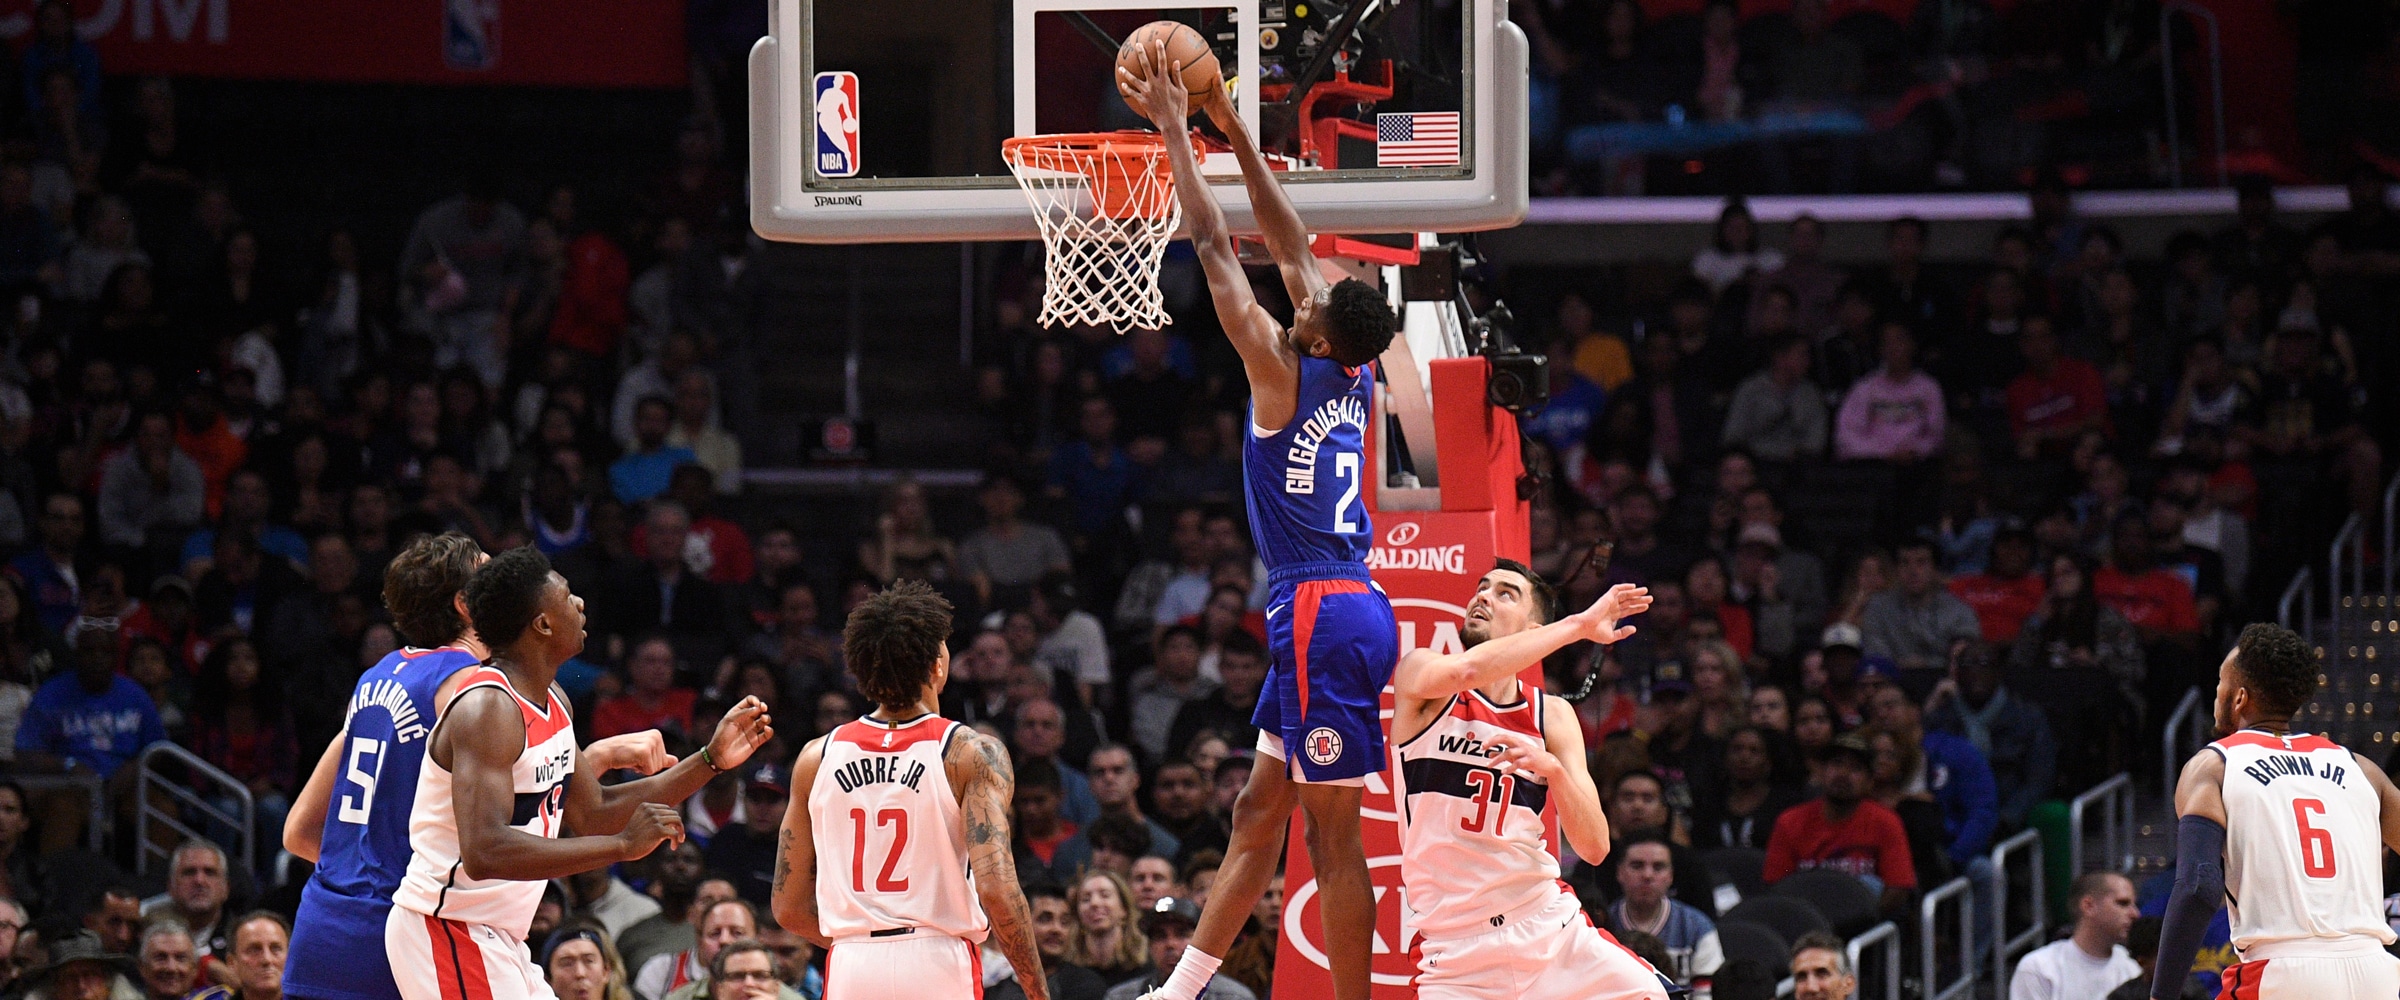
1332, 645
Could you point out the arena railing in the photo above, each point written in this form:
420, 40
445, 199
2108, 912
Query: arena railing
2006, 947
2186, 732
2114, 799
2297, 608
1885, 939
149, 779
1929, 943
2345, 579
2391, 548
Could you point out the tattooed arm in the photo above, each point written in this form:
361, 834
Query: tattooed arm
979, 770
795, 894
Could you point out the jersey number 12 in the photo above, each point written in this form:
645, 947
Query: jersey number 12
897, 819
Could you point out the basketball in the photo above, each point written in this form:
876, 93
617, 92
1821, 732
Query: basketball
1184, 46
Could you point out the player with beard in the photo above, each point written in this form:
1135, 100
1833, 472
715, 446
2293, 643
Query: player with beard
1480, 755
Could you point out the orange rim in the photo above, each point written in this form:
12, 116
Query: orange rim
1085, 151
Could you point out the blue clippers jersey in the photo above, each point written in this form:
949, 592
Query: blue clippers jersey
1304, 481
337, 941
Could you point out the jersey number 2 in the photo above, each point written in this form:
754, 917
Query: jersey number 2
356, 810
897, 819
1345, 465
1493, 789
2316, 846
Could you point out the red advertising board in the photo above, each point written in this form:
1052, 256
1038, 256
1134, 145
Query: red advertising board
1427, 562
564, 43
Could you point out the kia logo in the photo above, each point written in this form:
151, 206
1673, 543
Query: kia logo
1403, 533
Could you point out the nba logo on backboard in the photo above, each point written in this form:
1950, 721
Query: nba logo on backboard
471, 33
837, 124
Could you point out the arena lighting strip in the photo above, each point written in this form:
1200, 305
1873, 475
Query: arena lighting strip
1930, 207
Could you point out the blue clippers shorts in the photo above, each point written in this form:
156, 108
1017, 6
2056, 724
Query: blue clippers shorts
1332, 645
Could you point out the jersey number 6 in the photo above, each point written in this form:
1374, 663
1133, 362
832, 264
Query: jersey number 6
2316, 846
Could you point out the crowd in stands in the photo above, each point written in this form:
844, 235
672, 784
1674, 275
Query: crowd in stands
1903, 523
1709, 96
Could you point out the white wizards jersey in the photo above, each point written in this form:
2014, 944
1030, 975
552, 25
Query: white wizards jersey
891, 840
1471, 837
2303, 845
436, 885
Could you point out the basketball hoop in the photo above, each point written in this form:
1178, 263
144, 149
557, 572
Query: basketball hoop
1106, 205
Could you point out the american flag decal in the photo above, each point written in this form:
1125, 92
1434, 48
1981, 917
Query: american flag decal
1417, 139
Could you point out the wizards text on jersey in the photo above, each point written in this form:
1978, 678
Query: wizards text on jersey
1300, 475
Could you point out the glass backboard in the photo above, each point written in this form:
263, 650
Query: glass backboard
881, 120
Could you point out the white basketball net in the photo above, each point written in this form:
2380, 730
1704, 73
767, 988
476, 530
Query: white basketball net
1106, 205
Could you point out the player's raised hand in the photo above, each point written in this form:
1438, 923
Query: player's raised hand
1599, 622
643, 753
745, 728
1157, 90
653, 823
1519, 755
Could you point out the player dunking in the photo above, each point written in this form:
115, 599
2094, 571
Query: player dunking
2283, 826
1331, 633
896, 853
503, 779
1480, 755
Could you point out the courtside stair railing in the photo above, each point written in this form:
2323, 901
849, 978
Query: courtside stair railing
159, 793
2023, 851
1961, 892
2015, 861
2344, 615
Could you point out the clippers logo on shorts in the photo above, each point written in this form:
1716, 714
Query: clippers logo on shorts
837, 124
1324, 746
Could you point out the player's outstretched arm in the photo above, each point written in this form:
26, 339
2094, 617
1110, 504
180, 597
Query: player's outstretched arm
2199, 871
978, 767
795, 892
1559, 762
1274, 372
1278, 222
595, 808
482, 734
304, 826
1428, 676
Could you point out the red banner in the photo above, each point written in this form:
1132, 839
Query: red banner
559, 43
